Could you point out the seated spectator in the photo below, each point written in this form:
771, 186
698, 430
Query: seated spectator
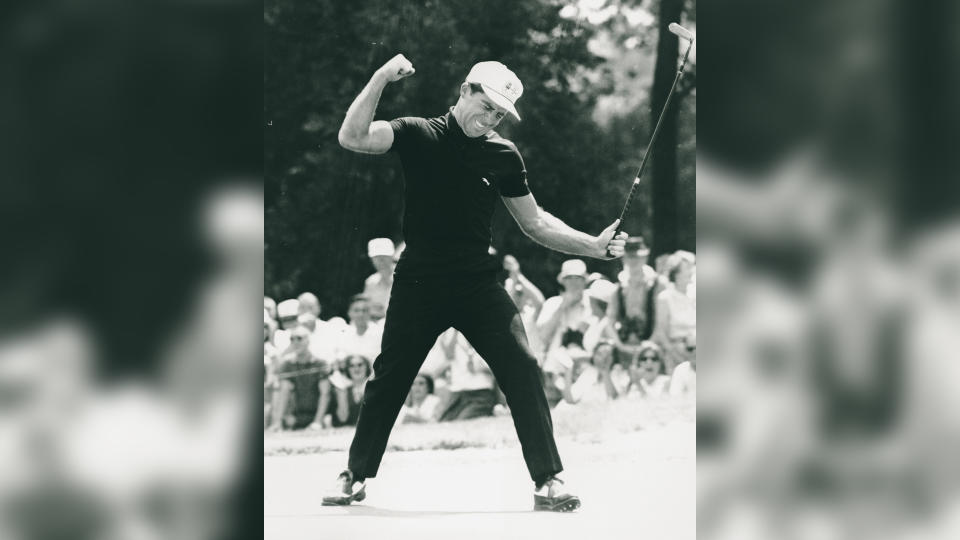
684, 379
648, 375
631, 307
589, 380
676, 321
363, 335
349, 399
472, 387
565, 319
421, 405
377, 287
304, 385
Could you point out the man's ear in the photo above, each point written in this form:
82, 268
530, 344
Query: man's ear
464, 89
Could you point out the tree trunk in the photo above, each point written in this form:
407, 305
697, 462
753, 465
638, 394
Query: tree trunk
664, 158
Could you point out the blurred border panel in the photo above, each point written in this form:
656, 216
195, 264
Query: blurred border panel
828, 239
131, 223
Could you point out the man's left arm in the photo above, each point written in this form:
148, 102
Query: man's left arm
550, 231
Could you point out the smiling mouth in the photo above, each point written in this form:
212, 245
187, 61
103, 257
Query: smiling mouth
482, 126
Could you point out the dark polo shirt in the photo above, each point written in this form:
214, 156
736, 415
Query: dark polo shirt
451, 186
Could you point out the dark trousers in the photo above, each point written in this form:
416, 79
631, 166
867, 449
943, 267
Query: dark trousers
419, 311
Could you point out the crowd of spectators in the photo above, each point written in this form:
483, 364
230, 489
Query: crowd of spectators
632, 337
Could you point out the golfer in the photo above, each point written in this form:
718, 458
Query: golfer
455, 167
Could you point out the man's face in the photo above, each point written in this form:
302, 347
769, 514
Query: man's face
574, 284
300, 339
382, 263
359, 312
479, 114
633, 259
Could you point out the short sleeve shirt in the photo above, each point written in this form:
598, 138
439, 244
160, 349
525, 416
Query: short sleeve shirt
451, 187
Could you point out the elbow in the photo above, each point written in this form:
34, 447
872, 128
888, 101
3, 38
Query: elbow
345, 140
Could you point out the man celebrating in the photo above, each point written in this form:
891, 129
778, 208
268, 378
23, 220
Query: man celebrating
455, 168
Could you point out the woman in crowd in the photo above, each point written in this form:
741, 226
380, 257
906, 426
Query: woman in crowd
676, 322
349, 398
648, 374
421, 405
588, 381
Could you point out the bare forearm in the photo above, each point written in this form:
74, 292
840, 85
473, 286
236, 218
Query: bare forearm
361, 111
553, 233
608, 385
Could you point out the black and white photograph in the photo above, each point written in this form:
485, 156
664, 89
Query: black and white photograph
480, 228
479, 269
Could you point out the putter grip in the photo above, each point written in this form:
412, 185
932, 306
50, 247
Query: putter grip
626, 207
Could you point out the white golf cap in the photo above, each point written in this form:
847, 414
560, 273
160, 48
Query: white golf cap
499, 83
380, 246
602, 290
288, 308
573, 267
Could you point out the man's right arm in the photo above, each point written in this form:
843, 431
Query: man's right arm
359, 133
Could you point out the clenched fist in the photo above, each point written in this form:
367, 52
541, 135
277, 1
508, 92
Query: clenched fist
397, 68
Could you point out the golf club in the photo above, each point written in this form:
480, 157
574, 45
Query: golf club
683, 33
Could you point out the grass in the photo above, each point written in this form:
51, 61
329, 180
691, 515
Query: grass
590, 423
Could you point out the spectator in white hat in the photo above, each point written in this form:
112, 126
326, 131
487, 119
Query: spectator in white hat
309, 303
287, 313
565, 318
377, 287
600, 293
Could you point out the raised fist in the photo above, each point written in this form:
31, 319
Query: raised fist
397, 68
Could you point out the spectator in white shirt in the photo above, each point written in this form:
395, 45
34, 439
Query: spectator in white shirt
684, 379
472, 387
590, 380
377, 287
565, 319
287, 313
528, 299
309, 304
676, 321
648, 374
422, 404
362, 336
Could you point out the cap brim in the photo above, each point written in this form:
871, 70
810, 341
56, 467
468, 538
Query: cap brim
501, 100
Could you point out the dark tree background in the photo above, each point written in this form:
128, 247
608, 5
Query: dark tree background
324, 203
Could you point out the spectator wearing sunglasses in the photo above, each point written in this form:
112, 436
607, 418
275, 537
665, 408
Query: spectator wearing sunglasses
350, 398
304, 385
648, 374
